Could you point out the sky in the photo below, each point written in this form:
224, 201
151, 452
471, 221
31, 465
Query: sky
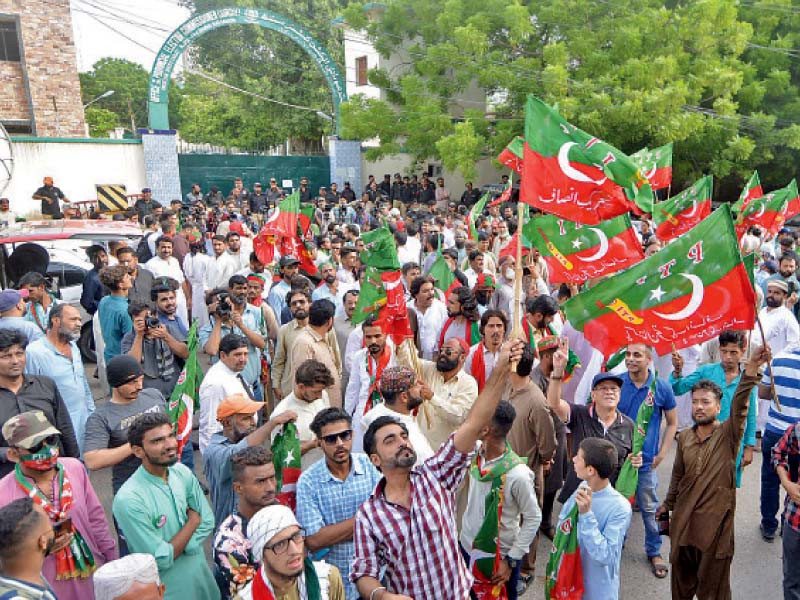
147, 22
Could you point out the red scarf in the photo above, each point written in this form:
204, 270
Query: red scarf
472, 332
479, 367
375, 371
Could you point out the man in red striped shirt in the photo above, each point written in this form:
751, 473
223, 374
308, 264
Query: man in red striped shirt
408, 524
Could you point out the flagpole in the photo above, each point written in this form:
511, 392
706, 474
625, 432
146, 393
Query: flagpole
771, 374
516, 329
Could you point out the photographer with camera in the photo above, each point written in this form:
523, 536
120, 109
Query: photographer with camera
230, 313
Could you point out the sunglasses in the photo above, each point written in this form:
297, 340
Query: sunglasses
345, 436
50, 440
448, 352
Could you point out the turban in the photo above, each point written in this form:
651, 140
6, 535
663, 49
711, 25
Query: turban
266, 524
397, 379
115, 578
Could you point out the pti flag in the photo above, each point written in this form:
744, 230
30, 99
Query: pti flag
574, 252
443, 276
383, 296
656, 165
574, 175
689, 292
677, 215
281, 225
286, 458
511, 156
473, 215
628, 478
564, 574
770, 212
183, 399
750, 192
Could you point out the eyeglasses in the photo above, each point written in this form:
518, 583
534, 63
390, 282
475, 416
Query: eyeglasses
345, 436
448, 352
282, 546
50, 440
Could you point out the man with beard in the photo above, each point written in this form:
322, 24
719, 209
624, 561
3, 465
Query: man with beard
331, 490
540, 312
255, 485
319, 343
164, 264
288, 267
330, 288
237, 414
162, 511
298, 301
242, 259
398, 554
463, 320
343, 327
702, 492
56, 355
62, 488
780, 325
369, 363
223, 265
431, 314
40, 301
483, 355
450, 391
28, 538
402, 396
141, 279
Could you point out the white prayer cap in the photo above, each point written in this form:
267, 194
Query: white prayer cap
266, 524
118, 576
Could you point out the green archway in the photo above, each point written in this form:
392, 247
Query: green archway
183, 36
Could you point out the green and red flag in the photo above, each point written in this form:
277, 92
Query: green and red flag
505, 196
575, 252
687, 293
306, 218
574, 175
750, 192
656, 165
564, 573
770, 212
511, 156
443, 276
628, 478
473, 215
286, 458
186, 392
677, 215
380, 250
510, 248
282, 223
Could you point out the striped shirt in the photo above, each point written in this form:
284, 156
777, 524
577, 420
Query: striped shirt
786, 369
418, 548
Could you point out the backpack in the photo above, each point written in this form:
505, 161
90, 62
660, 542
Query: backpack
143, 252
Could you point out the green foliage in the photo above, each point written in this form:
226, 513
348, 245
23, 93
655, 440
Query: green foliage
633, 72
265, 63
129, 81
101, 121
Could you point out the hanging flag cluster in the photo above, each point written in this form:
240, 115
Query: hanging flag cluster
283, 233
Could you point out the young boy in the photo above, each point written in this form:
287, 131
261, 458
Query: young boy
603, 518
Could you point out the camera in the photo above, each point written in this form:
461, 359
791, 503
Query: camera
152, 322
223, 309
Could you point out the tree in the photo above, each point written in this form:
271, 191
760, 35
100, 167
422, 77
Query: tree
101, 121
268, 64
130, 83
633, 72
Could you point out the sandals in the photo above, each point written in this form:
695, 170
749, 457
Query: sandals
659, 569
523, 582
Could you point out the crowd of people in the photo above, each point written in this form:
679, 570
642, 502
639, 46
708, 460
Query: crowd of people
433, 469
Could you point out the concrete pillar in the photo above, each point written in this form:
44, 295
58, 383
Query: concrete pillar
345, 157
161, 165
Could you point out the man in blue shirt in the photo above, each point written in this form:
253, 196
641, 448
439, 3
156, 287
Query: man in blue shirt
726, 374
93, 290
112, 310
12, 311
603, 518
331, 490
636, 386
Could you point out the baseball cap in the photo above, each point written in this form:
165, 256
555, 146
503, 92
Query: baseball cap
257, 183
27, 429
146, 190
600, 377
10, 298
237, 404
288, 260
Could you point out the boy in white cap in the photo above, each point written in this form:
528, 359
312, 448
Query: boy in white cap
132, 577
279, 542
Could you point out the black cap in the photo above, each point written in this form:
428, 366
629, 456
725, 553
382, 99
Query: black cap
288, 260
122, 369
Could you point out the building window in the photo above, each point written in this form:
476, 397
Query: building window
9, 42
361, 70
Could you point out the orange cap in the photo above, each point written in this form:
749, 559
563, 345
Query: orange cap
237, 404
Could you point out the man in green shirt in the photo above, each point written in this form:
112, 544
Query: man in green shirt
162, 511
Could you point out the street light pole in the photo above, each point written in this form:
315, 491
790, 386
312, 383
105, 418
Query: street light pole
100, 97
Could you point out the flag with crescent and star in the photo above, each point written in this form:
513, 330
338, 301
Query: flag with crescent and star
511, 156
628, 478
677, 215
770, 212
575, 252
687, 293
656, 165
750, 192
574, 175
286, 458
282, 224
564, 572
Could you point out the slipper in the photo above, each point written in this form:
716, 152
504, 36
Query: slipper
660, 570
523, 582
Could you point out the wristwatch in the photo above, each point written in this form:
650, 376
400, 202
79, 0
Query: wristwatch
513, 563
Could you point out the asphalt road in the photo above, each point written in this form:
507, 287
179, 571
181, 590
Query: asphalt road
755, 573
